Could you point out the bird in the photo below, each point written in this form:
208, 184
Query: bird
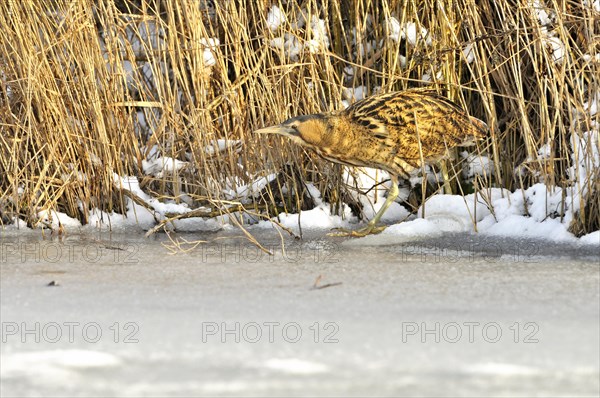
397, 132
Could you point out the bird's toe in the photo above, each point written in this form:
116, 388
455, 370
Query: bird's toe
359, 233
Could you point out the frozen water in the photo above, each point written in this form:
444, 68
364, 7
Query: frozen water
457, 315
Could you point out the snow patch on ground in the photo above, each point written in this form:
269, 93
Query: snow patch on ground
591, 239
370, 188
318, 218
534, 213
55, 219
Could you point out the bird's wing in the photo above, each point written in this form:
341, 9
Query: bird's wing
419, 121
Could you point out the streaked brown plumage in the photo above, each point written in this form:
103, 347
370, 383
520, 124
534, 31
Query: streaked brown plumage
392, 132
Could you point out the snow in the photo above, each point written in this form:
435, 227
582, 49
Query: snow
412, 34
585, 155
288, 43
275, 18
469, 53
353, 94
548, 36
591, 239
394, 28
521, 226
536, 212
318, 218
222, 145
427, 77
136, 217
292, 43
460, 211
419, 228
197, 224
55, 219
16, 224
408, 31
161, 165
348, 72
540, 9
319, 33
556, 46
209, 46
365, 179
590, 58
545, 151
278, 43
475, 164
595, 4
417, 178
533, 213
363, 49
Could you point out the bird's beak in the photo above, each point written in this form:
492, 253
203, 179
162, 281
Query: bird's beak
279, 129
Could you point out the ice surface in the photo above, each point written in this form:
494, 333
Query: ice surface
389, 328
295, 366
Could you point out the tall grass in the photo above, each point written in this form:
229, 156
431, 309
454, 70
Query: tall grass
90, 89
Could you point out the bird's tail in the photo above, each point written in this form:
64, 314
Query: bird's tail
481, 128
478, 131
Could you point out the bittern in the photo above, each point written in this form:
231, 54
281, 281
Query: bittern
397, 132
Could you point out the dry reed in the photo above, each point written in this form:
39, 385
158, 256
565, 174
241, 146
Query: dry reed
90, 89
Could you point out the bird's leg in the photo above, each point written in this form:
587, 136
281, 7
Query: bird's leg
372, 227
446, 177
446, 164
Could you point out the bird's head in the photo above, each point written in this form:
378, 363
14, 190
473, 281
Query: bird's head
304, 130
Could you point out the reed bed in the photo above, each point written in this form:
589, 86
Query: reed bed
91, 90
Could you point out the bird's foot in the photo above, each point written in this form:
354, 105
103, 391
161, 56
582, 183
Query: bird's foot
359, 233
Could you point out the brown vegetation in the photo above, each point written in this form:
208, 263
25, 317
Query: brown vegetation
89, 88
